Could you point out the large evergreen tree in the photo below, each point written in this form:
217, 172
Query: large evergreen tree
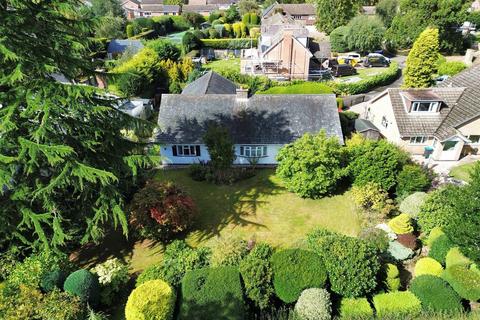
64, 162
422, 60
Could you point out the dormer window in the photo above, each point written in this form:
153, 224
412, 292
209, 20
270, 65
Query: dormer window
425, 106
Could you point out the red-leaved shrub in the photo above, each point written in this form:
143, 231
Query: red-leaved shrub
160, 210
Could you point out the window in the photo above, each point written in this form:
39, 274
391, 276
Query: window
449, 145
425, 106
186, 150
384, 122
474, 139
418, 140
253, 151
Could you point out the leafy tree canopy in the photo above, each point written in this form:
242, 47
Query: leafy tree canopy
335, 13
101, 8
64, 162
365, 34
386, 10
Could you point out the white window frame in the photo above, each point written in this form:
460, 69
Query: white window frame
253, 151
191, 148
384, 122
418, 140
432, 106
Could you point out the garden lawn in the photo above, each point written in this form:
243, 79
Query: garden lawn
260, 208
363, 73
462, 172
300, 88
223, 65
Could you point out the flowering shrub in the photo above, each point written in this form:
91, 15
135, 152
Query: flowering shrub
314, 304
112, 276
160, 210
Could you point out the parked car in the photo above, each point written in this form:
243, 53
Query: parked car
354, 55
341, 70
376, 60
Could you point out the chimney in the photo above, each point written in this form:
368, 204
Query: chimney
242, 94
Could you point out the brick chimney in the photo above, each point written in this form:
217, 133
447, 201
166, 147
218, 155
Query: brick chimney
242, 94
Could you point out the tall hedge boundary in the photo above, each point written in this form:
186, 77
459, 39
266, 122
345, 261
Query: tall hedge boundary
243, 43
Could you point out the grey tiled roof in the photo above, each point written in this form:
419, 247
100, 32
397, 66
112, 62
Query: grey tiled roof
210, 83
410, 124
150, 2
199, 8
118, 46
294, 9
362, 125
260, 119
468, 106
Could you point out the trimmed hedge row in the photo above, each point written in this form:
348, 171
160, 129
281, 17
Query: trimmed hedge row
355, 308
397, 305
435, 294
243, 43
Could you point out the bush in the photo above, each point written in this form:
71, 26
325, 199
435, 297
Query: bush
355, 309
428, 266
212, 294
371, 197
451, 68
314, 304
439, 248
365, 33
52, 279
178, 258
165, 49
20, 303
83, 284
411, 204
434, 234
337, 39
228, 251
257, 275
219, 143
401, 224
129, 84
399, 304
376, 237
112, 276
392, 280
160, 210
436, 295
408, 240
356, 275
295, 270
57, 305
398, 251
464, 281
437, 209
455, 257
244, 43
154, 300
412, 178
312, 165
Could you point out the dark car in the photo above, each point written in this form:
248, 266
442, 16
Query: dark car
376, 61
320, 75
341, 70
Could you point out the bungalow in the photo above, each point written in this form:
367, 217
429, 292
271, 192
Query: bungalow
132, 9
259, 125
221, 4
442, 123
155, 8
203, 9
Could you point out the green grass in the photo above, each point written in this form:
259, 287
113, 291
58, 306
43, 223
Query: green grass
363, 73
224, 65
462, 172
300, 88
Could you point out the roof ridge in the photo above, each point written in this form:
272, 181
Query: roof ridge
450, 111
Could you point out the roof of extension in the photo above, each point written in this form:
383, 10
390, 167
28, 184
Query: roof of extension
210, 83
119, 45
362, 125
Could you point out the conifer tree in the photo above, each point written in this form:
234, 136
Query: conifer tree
64, 162
422, 60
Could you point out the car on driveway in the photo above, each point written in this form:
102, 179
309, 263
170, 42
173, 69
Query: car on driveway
376, 60
341, 70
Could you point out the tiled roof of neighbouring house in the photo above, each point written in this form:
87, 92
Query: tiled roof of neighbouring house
162, 8
260, 119
151, 2
294, 9
119, 46
199, 8
210, 83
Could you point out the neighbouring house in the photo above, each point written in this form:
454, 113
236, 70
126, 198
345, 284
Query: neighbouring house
155, 8
259, 125
136, 107
117, 47
132, 9
304, 13
442, 122
283, 50
203, 9
221, 4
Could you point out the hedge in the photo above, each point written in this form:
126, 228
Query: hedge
243, 43
435, 294
465, 282
385, 78
456, 258
440, 247
212, 293
428, 266
83, 284
295, 270
355, 309
154, 299
399, 304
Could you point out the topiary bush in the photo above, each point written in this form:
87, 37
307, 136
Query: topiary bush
356, 275
465, 282
83, 284
355, 309
412, 178
52, 279
397, 305
392, 281
440, 247
437, 209
257, 275
401, 224
428, 266
228, 251
455, 257
295, 270
314, 304
436, 295
153, 300
411, 205
398, 251
212, 293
